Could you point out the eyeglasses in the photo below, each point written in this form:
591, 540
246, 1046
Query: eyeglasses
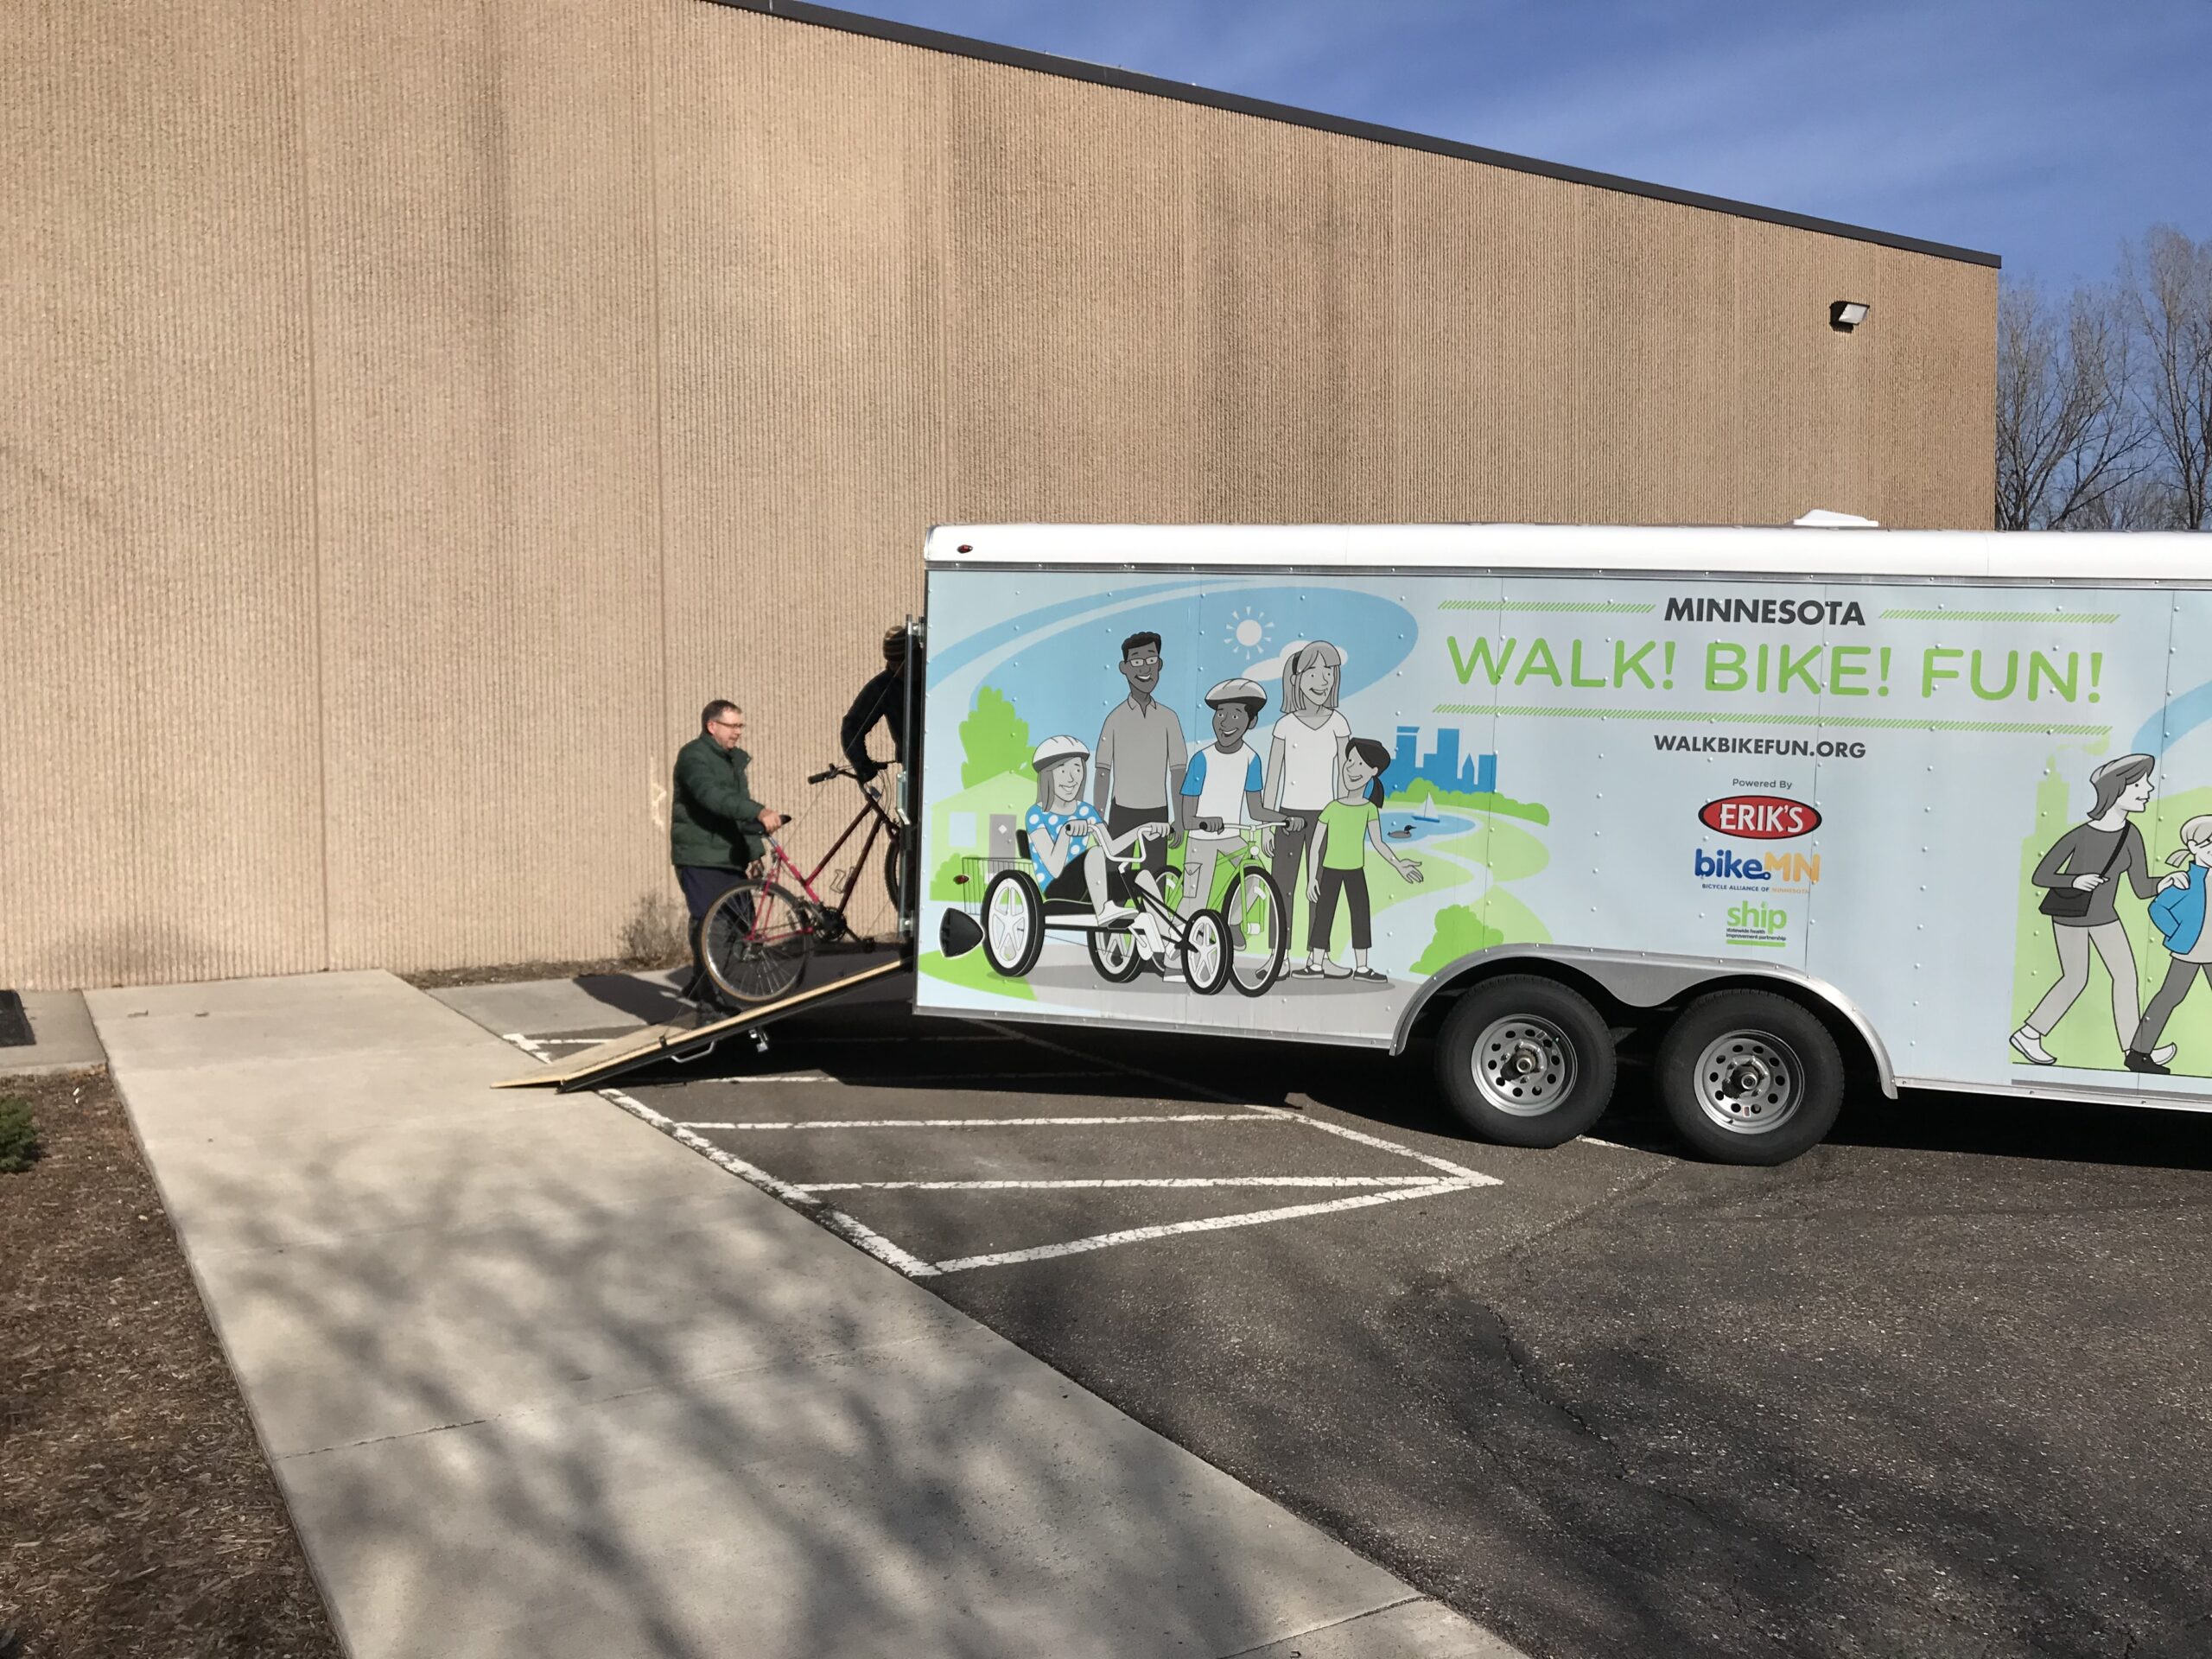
1142, 662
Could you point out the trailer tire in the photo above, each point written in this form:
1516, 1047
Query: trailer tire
1750, 1077
1525, 1061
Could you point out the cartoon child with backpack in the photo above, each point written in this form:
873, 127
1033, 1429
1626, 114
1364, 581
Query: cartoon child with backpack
2179, 912
1347, 827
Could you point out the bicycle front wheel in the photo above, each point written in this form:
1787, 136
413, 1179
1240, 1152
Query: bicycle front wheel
1258, 928
894, 870
758, 938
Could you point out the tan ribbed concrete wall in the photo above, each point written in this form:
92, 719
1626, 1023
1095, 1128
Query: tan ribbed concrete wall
418, 410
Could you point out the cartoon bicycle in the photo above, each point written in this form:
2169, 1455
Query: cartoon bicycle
1241, 943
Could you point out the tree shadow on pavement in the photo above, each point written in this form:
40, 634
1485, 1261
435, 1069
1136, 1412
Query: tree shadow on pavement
691, 1427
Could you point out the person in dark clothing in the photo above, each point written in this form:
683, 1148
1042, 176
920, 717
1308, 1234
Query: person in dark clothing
715, 829
886, 701
882, 701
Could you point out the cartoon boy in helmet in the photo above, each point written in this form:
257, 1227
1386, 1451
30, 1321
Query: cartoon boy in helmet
1070, 853
1221, 789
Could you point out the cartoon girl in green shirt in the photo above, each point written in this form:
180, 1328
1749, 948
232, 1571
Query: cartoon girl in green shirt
1347, 826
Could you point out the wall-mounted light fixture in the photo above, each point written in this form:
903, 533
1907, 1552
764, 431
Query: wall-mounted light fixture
1844, 315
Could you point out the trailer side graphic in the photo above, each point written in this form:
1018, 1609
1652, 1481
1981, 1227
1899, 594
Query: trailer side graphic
1970, 814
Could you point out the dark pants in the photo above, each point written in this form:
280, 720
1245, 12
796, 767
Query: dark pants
701, 887
1292, 848
1353, 885
1120, 820
2180, 976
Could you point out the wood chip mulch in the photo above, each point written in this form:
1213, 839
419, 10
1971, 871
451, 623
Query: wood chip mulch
137, 1516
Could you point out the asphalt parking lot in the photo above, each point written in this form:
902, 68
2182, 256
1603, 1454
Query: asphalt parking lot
1941, 1387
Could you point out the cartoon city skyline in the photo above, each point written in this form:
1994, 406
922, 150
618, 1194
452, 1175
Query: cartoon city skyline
1443, 766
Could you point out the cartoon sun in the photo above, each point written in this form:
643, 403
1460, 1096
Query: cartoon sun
1248, 631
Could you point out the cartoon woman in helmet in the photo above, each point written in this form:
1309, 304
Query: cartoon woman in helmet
1065, 832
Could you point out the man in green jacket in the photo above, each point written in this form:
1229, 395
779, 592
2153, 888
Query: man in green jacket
715, 829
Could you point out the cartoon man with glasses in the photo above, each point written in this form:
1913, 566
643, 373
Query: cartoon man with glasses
1140, 756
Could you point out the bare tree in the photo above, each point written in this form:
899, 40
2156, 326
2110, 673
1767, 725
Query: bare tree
2168, 284
2070, 440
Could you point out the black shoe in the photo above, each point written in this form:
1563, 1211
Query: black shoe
2144, 1063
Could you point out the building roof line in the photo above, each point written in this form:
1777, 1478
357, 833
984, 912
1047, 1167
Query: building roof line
1015, 57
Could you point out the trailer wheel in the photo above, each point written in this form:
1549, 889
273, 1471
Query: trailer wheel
1013, 923
1750, 1078
1526, 1062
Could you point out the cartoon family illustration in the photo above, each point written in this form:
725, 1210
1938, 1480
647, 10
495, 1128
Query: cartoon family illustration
2080, 876
1315, 801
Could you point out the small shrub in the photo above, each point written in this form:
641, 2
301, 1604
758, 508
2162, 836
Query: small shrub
658, 931
19, 1146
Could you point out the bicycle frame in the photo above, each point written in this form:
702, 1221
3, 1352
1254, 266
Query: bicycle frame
878, 818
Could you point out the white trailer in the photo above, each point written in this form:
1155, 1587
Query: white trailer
1930, 809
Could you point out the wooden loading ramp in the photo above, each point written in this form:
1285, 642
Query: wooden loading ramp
615, 1059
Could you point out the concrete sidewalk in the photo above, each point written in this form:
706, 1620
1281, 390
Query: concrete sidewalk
62, 1039
536, 1380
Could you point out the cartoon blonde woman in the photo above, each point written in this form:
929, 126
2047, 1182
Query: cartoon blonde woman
2179, 912
2080, 876
1349, 825
1305, 757
1070, 852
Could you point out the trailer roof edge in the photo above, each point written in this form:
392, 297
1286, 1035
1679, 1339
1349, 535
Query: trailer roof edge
2094, 558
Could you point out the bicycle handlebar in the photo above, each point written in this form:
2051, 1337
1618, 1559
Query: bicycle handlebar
824, 776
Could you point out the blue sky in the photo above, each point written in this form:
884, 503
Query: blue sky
2044, 130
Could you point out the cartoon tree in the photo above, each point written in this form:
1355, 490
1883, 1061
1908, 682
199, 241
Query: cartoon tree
993, 739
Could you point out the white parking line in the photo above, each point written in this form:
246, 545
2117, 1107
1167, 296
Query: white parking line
1457, 1172
1382, 1189
1127, 1180
851, 1228
992, 1122
1208, 1224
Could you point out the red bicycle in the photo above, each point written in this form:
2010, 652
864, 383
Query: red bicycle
759, 934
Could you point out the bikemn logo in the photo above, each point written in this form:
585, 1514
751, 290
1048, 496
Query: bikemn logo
1727, 867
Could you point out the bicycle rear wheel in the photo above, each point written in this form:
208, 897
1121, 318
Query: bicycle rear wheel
758, 938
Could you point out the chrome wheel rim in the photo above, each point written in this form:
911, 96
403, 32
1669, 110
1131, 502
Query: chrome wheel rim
1749, 1082
1524, 1065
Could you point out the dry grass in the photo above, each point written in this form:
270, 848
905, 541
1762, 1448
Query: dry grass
137, 1516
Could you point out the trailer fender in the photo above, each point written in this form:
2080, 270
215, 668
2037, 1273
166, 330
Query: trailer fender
1643, 980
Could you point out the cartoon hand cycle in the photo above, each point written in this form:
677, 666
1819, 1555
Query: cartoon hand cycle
1241, 944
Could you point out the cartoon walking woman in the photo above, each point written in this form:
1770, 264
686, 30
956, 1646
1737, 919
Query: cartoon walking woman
2080, 875
1304, 757
2179, 912
1349, 825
